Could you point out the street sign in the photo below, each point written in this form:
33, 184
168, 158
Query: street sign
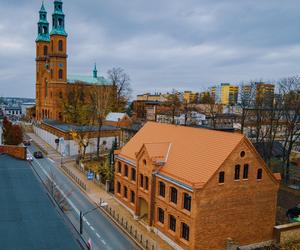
90, 175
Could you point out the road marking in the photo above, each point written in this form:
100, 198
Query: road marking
61, 191
51, 160
69, 201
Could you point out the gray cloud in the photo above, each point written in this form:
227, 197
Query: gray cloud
162, 44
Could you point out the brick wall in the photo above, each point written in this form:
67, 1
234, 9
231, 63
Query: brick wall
242, 209
15, 151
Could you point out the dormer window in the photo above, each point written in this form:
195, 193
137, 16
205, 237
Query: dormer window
145, 162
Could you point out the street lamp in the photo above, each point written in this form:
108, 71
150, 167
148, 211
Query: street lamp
81, 214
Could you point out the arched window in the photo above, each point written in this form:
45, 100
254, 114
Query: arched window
45, 50
60, 74
237, 172
60, 45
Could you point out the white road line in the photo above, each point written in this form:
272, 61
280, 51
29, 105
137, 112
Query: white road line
61, 191
51, 160
69, 201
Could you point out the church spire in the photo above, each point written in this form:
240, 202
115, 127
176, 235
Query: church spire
95, 71
43, 26
58, 18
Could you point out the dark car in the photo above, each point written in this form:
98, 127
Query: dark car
294, 214
38, 155
26, 143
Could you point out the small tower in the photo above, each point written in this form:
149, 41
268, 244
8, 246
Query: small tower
42, 58
43, 26
95, 71
58, 18
57, 62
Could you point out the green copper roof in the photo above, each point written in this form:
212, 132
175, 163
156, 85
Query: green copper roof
88, 79
43, 26
58, 31
43, 38
43, 10
58, 19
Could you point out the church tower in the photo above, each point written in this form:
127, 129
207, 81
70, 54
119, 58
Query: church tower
58, 61
42, 59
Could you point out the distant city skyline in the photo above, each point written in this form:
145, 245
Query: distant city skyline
186, 45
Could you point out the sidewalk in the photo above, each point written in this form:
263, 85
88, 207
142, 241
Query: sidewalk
94, 192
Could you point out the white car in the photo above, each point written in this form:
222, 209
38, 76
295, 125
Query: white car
29, 157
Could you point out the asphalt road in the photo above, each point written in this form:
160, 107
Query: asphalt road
96, 227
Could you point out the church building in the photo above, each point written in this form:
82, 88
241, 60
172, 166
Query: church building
52, 79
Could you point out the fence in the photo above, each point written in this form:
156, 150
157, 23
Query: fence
74, 177
142, 241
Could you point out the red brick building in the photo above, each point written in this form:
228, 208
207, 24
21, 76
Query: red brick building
195, 187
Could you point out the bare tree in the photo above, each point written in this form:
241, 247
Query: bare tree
247, 100
289, 89
121, 83
173, 102
102, 98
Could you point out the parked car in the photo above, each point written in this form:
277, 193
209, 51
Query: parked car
294, 214
38, 155
26, 142
29, 157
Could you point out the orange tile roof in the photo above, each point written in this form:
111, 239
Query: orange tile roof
193, 154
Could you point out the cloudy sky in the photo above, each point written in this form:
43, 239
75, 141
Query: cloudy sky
161, 44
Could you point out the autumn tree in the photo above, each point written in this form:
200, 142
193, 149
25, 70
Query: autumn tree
78, 111
102, 101
12, 134
121, 84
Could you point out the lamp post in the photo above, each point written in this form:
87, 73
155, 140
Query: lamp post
81, 215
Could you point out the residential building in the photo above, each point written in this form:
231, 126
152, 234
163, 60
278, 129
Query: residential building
190, 97
265, 93
53, 84
117, 119
189, 185
13, 111
261, 94
225, 94
157, 97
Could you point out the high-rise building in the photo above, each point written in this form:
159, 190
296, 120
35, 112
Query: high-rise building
264, 93
225, 93
259, 93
